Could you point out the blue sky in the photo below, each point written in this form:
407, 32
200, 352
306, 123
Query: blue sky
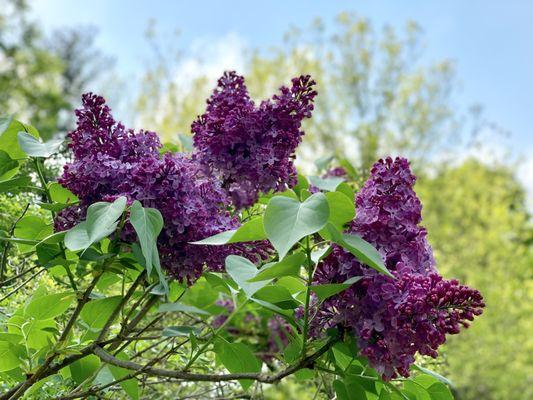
491, 41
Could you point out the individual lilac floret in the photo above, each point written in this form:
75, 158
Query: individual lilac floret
110, 161
394, 319
251, 148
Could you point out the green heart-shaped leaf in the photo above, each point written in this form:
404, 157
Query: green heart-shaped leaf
286, 220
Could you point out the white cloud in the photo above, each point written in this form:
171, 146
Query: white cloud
210, 58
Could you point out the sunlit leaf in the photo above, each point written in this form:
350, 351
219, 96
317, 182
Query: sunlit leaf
148, 224
277, 295
8, 358
287, 220
33, 228
289, 266
7, 164
329, 289
102, 220
172, 331
360, 248
33, 147
9, 137
179, 307
249, 231
326, 184
49, 306
130, 386
242, 271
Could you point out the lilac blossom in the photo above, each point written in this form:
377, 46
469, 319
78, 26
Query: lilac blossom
394, 319
249, 147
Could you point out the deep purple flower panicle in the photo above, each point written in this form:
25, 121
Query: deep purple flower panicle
251, 148
111, 161
394, 319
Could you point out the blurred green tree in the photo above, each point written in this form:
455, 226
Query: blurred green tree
30, 76
41, 79
481, 234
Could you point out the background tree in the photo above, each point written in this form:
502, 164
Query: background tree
30, 76
41, 79
481, 234
83, 65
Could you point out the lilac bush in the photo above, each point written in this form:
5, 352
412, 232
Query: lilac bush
251, 148
197, 211
394, 319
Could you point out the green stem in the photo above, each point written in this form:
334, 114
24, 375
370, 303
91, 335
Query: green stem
40, 174
18, 240
37, 162
307, 297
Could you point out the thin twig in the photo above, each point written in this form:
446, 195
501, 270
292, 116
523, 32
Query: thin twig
8, 244
22, 285
26, 271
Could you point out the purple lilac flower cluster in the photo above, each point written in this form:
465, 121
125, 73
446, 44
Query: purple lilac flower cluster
251, 148
394, 319
111, 161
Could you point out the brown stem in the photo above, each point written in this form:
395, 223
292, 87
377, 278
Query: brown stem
151, 371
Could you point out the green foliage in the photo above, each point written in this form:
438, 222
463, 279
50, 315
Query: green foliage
289, 266
329, 289
242, 271
130, 386
7, 164
95, 314
247, 232
48, 306
107, 281
360, 248
9, 131
33, 228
